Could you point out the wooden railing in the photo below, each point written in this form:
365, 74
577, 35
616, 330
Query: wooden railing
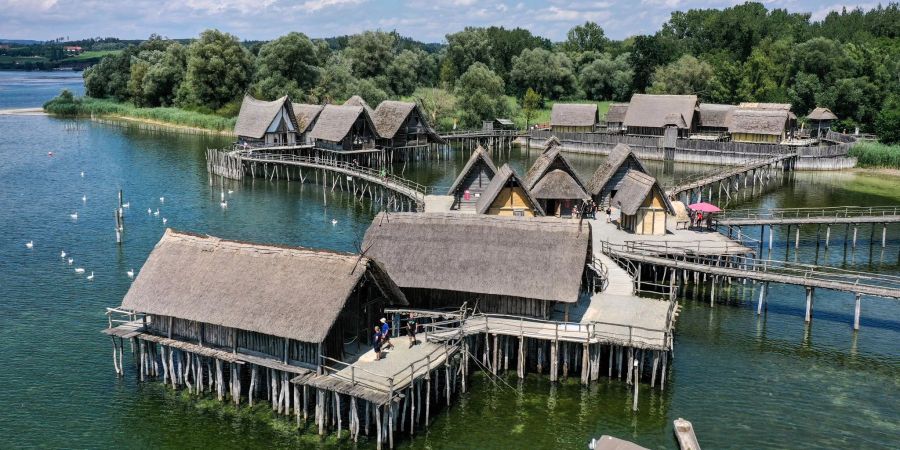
810, 213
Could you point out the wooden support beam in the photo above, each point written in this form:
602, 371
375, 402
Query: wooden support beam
809, 304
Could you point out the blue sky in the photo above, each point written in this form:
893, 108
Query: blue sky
426, 20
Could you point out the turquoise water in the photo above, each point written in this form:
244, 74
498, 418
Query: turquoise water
745, 382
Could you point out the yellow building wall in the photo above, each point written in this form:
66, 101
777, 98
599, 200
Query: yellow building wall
569, 129
651, 218
509, 200
756, 138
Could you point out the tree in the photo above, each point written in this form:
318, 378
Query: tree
480, 95
218, 71
856, 99
404, 71
109, 78
887, 124
688, 75
464, 49
369, 90
606, 78
163, 78
438, 104
139, 69
289, 61
335, 81
648, 53
587, 37
530, 102
549, 73
371, 52
824, 58
803, 92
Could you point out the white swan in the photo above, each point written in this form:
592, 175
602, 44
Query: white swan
165, 220
29, 244
230, 192
130, 274
84, 199
79, 270
62, 254
162, 199
91, 276
333, 222
74, 215
156, 213
70, 261
82, 174
126, 205
224, 204
149, 211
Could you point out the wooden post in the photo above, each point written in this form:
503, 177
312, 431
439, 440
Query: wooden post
854, 235
585, 363
809, 304
827, 234
883, 235
856, 313
763, 288
771, 235
634, 405
797, 237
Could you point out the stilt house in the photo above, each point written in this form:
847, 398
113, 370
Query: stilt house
471, 182
306, 116
403, 125
792, 118
651, 115
358, 101
506, 195
574, 117
642, 203
554, 183
267, 305
607, 179
265, 124
820, 120
344, 128
498, 124
506, 265
714, 118
763, 126
615, 117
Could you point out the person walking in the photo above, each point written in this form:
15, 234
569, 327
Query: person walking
385, 335
608, 214
376, 343
411, 327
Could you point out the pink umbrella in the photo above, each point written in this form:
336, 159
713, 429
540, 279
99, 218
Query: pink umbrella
704, 207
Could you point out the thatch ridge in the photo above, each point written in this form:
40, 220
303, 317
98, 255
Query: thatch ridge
335, 121
715, 115
616, 112
574, 114
500, 180
821, 113
634, 190
359, 101
390, 115
559, 184
553, 159
510, 256
618, 156
654, 111
306, 115
247, 286
478, 154
256, 115
758, 121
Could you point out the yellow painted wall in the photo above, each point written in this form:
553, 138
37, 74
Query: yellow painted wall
568, 129
509, 200
756, 138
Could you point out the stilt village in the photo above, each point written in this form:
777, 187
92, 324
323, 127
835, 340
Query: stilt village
541, 273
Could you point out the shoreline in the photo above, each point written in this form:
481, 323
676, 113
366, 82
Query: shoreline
36, 111
158, 125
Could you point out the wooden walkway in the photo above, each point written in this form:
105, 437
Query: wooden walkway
699, 183
813, 216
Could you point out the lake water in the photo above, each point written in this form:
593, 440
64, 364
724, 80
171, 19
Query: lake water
744, 381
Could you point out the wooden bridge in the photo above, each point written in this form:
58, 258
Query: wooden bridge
678, 270
387, 189
730, 181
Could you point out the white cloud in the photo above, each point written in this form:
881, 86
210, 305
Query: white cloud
316, 5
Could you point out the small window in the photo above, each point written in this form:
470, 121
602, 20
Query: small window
519, 212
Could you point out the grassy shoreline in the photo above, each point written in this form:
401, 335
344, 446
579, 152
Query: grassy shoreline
168, 117
876, 155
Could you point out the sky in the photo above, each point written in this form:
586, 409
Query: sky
424, 20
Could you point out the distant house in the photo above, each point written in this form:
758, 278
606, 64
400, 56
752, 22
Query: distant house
344, 128
607, 179
262, 123
504, 265
820, 120
506, 195
498, 124
72, 49
792, 118
574, 117
554, 183
651, 115
763, 126
271, 306
402, 125
642, 203
615, 117
471, 182
714, 117
306, 116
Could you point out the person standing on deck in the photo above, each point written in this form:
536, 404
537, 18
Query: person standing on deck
608, 214
411, 331
385, 334
376, 343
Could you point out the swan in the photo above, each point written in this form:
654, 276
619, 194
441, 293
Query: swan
165, 220
70, 261
29, 244
223, 196
156, 213
62, 254
79, 270
162, 199
333, 222
130, 274
91, 276
230, 192
74, 215
82, 174
84, 199
224, 204
126, 205
149, 211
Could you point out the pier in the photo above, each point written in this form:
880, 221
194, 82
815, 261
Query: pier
731, 181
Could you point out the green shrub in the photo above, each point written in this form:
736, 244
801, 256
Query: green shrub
872, 154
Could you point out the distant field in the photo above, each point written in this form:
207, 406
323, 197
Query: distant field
93, 54
21, 59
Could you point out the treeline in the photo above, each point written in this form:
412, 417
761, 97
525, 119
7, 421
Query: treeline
848, 62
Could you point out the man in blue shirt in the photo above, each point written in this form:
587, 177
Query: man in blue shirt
385, 334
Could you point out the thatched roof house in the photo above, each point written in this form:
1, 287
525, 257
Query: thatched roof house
555, 184
651, 114
714, 117
244, 296
403, 124
642, 203
608, 176
759, 125
615, 117
359, 101
472, 180
574, 117
820, 120
306, 116
821, 113
344, 128
506, 195
266, 123
504, 264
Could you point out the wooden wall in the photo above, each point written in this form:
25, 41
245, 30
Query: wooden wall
509, 200
475, 181
757, 138
499, 304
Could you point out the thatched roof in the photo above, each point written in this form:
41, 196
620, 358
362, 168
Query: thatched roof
821, 113
616, 112
256, 116
306, 115
758, 105
288, 292
564, 182
531, 257
715, 115
758, 121
635, 188
504, 177
358, 101
479, 154
573, 114
550, 143
618, 156
390, 115
335, 121
657, 111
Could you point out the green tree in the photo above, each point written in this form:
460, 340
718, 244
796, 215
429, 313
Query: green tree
218, 71
336, 80
887, 124
109, 78
438, 104
464, 49
587, 37
824, 58
648, 53
688, 75
369, 90
607, 78
139, 69
530, 102
163, 78
480, 95
550, 74
856, 101
371, 52
803, 92
404, 71
289, 61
